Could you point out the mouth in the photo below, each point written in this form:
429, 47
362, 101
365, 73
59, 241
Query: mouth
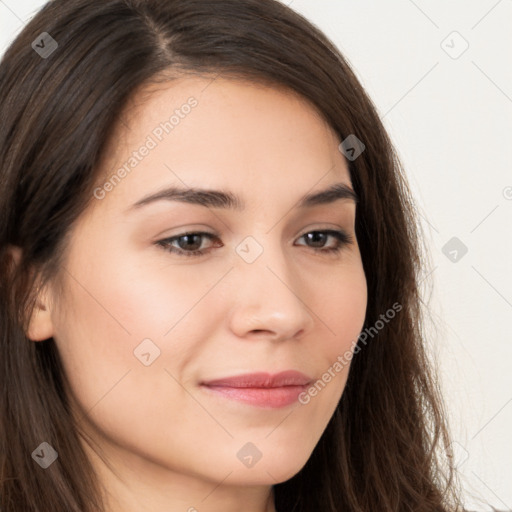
261, 389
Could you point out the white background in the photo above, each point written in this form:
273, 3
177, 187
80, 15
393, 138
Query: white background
450, 116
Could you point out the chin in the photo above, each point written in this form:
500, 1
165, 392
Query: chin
272, 471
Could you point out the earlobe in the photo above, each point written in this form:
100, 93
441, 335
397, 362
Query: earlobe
40, 326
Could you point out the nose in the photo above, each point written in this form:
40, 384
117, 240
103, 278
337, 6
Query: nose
269, 298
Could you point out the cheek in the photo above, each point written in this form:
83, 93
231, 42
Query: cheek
339, 307
116, 314
342, 306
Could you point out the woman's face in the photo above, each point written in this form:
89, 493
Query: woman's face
143, 323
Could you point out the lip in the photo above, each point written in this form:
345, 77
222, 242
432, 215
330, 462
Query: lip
261, 389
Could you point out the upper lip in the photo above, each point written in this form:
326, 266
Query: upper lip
262, 380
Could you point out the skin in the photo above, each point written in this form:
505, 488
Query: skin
171, 445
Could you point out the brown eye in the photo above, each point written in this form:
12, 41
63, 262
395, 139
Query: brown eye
187, 244
317, 240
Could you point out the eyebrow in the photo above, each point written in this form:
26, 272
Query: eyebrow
226, 199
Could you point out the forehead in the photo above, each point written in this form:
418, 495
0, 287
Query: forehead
222, 132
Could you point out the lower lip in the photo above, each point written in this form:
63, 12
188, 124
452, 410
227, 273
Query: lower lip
271, 398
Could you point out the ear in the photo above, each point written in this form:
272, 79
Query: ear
40, 325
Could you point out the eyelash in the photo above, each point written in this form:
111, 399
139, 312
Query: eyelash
342, 237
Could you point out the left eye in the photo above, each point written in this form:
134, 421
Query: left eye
189, 244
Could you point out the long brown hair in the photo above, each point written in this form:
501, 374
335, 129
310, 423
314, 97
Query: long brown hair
387, 446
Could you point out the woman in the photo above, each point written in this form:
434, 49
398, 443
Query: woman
210, 264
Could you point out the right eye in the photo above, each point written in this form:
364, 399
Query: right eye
188, 244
